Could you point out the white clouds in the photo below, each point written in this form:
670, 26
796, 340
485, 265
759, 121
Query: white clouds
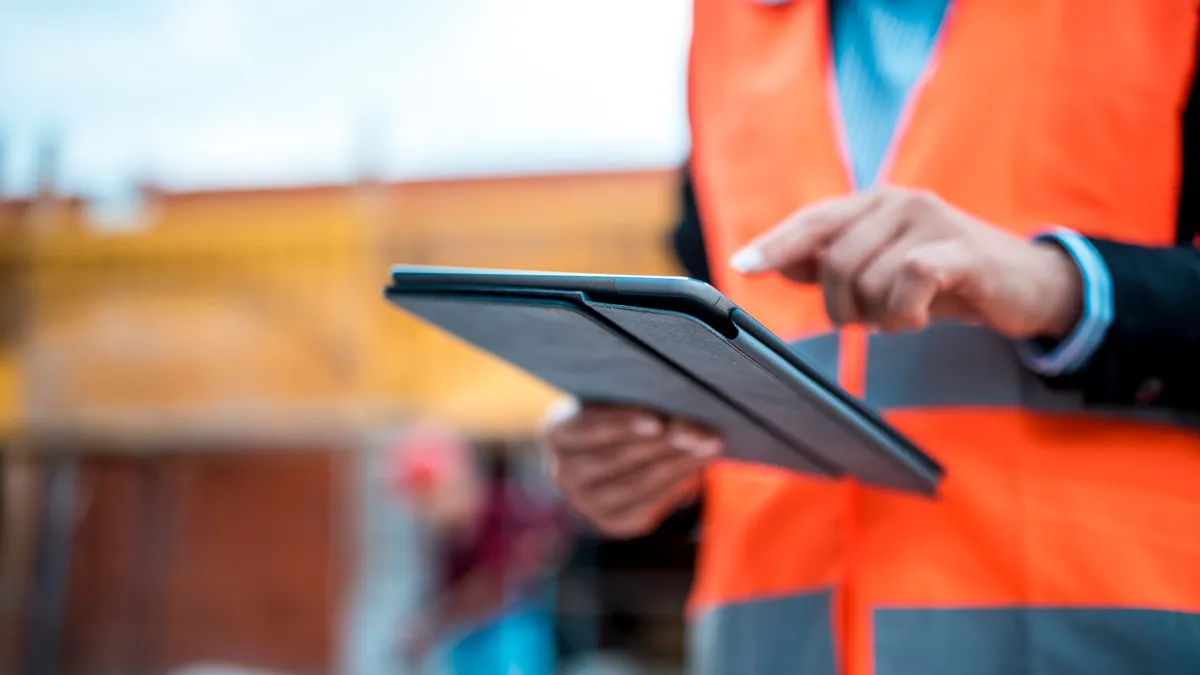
230, 92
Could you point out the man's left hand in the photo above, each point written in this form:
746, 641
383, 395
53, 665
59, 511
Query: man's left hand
898, 259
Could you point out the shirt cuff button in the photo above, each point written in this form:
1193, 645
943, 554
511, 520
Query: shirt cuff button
1149, 392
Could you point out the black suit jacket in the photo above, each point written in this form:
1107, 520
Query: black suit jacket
1151, 354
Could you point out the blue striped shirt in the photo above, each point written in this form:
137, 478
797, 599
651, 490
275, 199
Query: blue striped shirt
880, 50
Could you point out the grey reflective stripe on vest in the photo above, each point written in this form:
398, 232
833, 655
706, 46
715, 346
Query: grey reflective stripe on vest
944, 365
780, 636
1035, 640
963, 366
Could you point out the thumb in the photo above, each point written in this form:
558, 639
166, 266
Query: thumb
935, 282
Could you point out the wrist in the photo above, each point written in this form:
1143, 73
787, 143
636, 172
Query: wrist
1059, 291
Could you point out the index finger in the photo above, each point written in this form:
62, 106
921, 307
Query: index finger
803, 235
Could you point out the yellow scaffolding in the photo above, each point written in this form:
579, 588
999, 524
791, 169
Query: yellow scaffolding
255, 316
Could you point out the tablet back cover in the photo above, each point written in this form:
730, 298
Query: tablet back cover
571, 348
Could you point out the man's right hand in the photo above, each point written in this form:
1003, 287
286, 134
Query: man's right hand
626, 469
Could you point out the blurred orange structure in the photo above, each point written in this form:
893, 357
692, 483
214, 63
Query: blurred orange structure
170, 356
258, 312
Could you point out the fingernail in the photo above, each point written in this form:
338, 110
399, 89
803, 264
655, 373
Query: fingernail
708, 447
682, 439
749, 260
647, 426
698, 445
561, 410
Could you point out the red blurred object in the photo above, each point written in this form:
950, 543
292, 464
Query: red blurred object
416, 475
423, 460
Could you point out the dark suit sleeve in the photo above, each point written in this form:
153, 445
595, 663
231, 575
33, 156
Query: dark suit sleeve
687, 239
1151, 353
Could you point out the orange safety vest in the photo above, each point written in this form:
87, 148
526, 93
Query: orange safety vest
1065, 539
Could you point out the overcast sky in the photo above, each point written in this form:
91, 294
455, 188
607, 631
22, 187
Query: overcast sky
213, 93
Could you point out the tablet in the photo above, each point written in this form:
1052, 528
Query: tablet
676, 346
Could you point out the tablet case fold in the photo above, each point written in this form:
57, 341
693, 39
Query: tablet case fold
570, 349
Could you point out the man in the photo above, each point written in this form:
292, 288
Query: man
1010, 170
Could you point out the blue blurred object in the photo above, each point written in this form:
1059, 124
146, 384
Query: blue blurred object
519, 641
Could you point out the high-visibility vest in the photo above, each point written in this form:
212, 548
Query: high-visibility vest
1065, 539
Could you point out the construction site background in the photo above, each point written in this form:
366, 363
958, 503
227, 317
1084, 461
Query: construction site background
193, 402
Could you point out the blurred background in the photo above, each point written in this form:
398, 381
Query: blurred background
221, 449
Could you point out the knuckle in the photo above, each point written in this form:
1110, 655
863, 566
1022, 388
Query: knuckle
918, 267
910, 205
923, 199
917, 204
835, 267
839, 264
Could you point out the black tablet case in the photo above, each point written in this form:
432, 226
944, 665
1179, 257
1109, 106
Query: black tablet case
676, 364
